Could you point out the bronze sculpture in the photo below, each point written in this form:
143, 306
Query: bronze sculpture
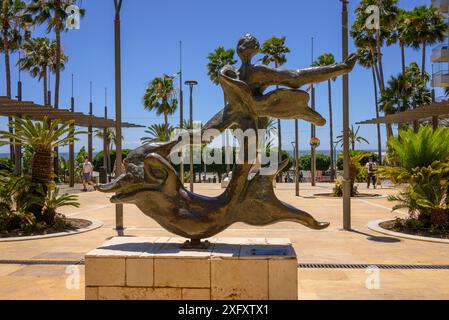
152, 184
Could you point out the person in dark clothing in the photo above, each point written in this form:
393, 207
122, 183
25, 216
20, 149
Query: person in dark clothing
371, 177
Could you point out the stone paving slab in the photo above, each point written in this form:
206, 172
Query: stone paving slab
362, 246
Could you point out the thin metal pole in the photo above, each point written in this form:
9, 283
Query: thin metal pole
313, 130
18, 147
89, 129
118, 111
181, 111
435, 120
106, 159
191, 142
72, 145
346, 159
191, 83
297, 157
48, 102
313, 149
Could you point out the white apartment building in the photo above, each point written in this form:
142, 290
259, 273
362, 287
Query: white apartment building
440, 54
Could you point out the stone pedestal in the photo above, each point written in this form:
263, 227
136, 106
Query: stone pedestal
136, 268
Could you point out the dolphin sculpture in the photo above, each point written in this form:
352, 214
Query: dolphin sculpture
152, 184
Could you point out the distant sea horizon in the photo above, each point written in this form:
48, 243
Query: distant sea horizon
65, 155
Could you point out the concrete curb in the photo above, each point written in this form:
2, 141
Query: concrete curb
324, 196
96, 224
375, 226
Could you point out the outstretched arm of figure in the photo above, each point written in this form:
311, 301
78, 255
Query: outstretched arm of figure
265, 76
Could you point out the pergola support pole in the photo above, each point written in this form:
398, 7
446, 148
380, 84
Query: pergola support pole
18, 148
72, 149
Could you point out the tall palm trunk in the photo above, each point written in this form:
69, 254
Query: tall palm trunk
423, 67
329, 85
41, 167
45, 85
379, 138
8, 88
167, 133
403, 57
379, 77
41, 174
57, 83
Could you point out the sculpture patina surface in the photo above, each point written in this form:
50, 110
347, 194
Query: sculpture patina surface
152, 184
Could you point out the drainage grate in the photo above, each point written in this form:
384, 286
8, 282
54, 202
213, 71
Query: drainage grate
300, 266
43, 262
365, 266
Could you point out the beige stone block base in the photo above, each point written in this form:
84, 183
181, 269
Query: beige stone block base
160, 269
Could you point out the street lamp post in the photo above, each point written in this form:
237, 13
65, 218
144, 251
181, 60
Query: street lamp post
191, 84
118, 111
346, 175
90, 129
181, 111
296, 147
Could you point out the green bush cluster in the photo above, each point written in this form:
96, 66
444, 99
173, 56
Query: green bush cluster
323, 162
420, 164
19, 196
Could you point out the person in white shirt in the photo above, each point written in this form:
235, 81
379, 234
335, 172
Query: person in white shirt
88, 171
371, 168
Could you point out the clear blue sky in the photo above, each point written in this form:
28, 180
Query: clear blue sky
151, 31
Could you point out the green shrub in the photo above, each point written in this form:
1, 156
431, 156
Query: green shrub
419, 161
98, 158
6, 165
364, 160
323, 162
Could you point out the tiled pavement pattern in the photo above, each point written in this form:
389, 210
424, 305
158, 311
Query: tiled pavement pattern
44, 273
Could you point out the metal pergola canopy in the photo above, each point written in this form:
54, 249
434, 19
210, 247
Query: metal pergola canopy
440, 110
32, 111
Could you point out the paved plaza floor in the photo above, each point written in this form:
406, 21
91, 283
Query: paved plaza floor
332, 262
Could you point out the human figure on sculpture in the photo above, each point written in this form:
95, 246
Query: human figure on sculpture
151, 183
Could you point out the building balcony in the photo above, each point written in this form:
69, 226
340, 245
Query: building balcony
442, 5
440, 53
440, 79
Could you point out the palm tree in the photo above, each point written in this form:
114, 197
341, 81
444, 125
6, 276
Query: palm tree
111, 137
158, 133
39, 54
275, 51
327, 59
353, 138
14, 24
406, 91
217, 60
111, 140
366, 60
160, 96
372, 39
53, 12
41, 136
403, 33
428, 28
